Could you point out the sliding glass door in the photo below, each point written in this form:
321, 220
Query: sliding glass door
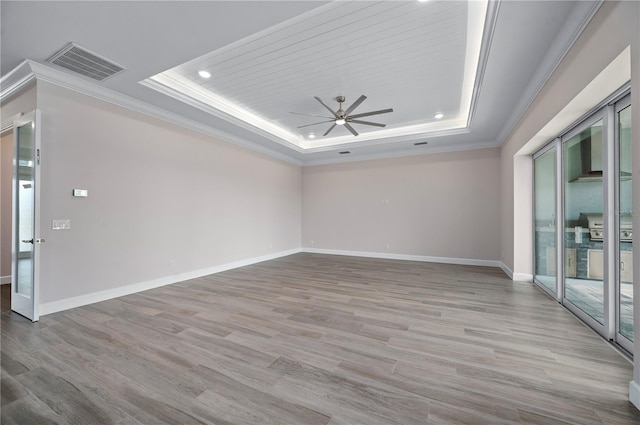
544, 171
584, 220
585, 258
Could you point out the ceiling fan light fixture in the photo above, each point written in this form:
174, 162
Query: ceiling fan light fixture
344, 117
204, 74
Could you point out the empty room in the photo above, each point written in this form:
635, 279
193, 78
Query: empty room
319, 212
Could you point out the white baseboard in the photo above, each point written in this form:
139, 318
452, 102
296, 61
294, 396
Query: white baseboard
5, 279
634, 393
94, 297
516, 277
390, 256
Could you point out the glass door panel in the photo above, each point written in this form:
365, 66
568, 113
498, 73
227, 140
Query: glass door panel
625, 244
24, 294
544, 169
583, 210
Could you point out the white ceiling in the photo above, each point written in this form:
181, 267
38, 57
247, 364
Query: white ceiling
268, 59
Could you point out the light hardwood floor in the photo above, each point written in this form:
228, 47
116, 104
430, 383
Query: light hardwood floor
317, 339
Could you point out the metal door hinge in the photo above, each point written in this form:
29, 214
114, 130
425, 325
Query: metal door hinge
38, 156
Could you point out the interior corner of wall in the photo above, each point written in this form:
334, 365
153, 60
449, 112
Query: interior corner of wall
634, 394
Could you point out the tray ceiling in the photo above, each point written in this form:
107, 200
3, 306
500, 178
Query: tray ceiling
418, 58
478, 63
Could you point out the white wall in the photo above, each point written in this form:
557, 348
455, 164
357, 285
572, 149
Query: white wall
162, 200
439, 205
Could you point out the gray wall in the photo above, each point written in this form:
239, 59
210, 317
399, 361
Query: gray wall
162, 200
437, 205
612, 29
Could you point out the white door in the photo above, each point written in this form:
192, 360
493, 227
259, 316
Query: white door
26, 220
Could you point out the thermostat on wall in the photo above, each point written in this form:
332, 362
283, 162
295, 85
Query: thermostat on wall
81, 193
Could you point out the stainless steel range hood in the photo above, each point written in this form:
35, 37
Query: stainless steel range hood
590, 155
584, 163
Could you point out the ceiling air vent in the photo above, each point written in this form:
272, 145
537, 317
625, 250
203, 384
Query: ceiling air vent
82, 61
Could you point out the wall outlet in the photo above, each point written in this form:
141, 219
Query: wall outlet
172, 264
312, 242
61, 225
388, 245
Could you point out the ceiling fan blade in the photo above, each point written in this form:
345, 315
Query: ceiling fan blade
368, 123
348, 127
366, 114
309, 115
315, 123
355, 104
330, 128
323, 104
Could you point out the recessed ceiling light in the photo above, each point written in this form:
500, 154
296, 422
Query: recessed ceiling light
340, 121
204, 74
438, 115
312, 136
423, 1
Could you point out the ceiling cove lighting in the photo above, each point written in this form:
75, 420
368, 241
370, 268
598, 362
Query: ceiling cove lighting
204, 74
438, 115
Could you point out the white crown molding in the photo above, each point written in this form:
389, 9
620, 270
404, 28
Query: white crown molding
397, 139
582, 12
390, 256
491, 18
167, 86
94, 297
14, 81
422, 151
30, 70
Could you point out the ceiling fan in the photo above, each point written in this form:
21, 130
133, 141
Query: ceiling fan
341, 117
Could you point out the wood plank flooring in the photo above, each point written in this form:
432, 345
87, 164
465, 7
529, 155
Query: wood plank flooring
316, 339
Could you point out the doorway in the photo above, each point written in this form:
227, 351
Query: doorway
6, 177
20, 214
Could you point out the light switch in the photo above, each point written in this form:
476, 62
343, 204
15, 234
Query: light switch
81, 193
61, 225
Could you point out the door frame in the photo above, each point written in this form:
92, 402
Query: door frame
28, 307
619, 337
